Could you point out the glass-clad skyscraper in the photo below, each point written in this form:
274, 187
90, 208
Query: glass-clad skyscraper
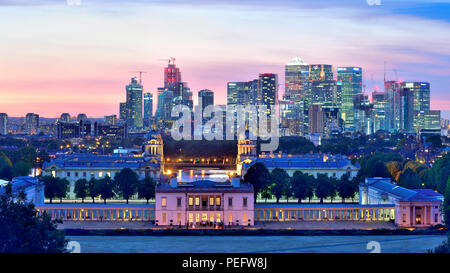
349, 80
134, 105
148, 109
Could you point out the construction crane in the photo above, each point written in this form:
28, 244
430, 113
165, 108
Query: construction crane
140, 75
169, 60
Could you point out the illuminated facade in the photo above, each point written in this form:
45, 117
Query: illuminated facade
204, 203
134, 105
413, 207
3, 124
32, 124
349, 80
148, 109
421, 102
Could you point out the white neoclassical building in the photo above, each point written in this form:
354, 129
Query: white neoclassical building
413, 207
204, 203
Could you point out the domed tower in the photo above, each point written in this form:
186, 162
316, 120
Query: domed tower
246, 150
153, 146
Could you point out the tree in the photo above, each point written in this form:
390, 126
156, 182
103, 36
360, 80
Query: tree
62, 187
50, 187
21, 168
394, 168
93, 188
106, 188
258, 176
126, 181
146, 188
346, 188
409, 179
23, 231
265, 193
81, 189
280, 183
301, 185
323, 187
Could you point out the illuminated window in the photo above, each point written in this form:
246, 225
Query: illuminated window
218, 217
197, 217
218, 201
197, 201
191, 217
108, 174
100, 174
244, 218
191, 201
211, 217
164, 201
54, 173
164, 217
211, 201
178, 217
230, 217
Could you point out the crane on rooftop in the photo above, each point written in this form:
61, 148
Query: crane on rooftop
140, 75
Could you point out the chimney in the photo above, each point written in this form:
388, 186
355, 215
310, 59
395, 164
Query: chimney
173, 182
236, 181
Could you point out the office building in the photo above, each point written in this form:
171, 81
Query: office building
205, 98
81, 117
65, 118
148, 109
316, 119
3, 124
31, 124
379, 108
268, 91
123, 112
134, 105
421, 93
110, 120
349, 80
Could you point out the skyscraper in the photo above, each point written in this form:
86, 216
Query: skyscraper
392, 93
205, 98
81, 117
239, 93
432, 120
3, 124
296, 96
123, 112
111, 120
321, 72
349, 80
268, 90
316, 119
31, 124
323, 91
379, 108
172, 76
421, 93
134, 105
148, 109
65, 118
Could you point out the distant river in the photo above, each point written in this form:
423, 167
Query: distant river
256, 244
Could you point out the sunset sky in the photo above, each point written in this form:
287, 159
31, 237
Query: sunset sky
58, 58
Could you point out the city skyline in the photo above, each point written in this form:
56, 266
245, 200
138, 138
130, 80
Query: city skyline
77, 63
